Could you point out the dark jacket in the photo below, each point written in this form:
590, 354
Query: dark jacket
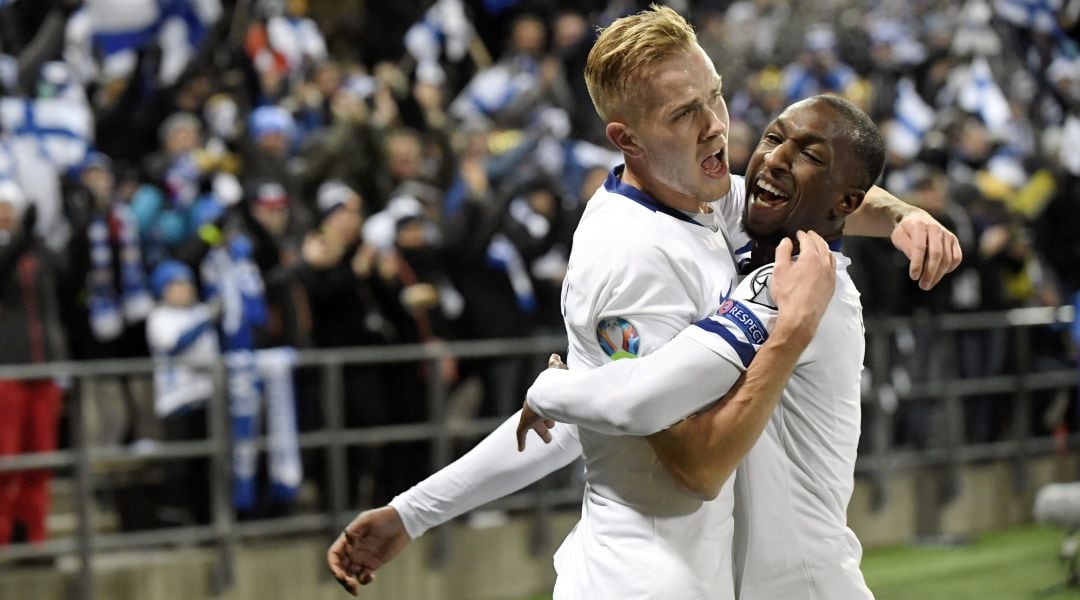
30, 327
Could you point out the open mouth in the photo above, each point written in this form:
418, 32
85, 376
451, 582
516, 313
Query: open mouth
768, 193
714, 165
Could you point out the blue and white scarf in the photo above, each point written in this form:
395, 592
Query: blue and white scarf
275, 369
108, 314
229, 273
504, 256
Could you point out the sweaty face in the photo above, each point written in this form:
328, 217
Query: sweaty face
798, 173
682, 131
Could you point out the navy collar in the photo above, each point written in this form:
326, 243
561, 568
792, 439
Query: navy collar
835, 244
615, 184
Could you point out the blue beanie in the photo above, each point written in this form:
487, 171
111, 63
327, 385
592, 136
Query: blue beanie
271, 119
167, 272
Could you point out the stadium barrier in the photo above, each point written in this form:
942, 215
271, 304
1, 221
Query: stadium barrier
884, 393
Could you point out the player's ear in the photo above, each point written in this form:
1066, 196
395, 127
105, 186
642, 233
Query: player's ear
848, 202
624, 139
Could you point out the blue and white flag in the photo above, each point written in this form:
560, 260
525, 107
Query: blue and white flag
444, 28
981, 95
912, 119
1039, 15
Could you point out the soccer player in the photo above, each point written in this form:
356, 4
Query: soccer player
810, 170
661, 98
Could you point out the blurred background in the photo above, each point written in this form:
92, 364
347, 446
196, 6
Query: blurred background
264, 263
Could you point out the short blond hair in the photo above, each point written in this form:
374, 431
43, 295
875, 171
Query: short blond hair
624, 48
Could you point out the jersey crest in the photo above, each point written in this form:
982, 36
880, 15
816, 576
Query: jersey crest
618, 338
759, 288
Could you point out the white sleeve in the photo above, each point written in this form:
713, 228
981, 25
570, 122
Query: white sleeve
489, 471
639, 396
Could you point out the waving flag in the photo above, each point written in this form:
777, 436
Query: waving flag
981, 95
1040, 15
443, 27
913, 118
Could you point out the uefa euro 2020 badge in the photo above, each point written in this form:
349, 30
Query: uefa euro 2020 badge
618, 338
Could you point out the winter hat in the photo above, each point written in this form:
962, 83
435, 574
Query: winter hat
166, 273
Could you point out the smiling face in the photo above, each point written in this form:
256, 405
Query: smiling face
803, 175
676, 145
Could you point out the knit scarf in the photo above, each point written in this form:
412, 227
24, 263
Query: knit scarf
230, 275
108, 314
504, 256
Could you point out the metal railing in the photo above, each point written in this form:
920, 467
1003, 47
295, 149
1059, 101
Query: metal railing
882, 400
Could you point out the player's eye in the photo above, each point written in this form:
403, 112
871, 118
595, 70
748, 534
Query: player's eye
771, 139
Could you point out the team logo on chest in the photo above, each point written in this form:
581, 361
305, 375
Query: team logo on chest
618, 338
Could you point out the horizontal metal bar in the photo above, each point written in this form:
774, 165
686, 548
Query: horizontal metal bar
37, 460
47, 549
109, 455
929, 457
122, 455
360, 355
999, 384
1016, 317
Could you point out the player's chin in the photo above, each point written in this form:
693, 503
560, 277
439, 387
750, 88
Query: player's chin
714, 187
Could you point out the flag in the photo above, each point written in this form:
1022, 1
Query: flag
913, 118
1040, 15
981, 95
443, 26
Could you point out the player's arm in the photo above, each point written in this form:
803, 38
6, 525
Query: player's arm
634, 397
485, 473
932, 249
701, 452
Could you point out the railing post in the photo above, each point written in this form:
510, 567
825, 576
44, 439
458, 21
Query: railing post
1021, 421
440, 450
884, 409
541, 532
954, 418
333, 388
84, 484
220, 430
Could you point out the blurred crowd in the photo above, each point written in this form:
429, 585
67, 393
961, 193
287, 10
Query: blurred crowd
234, 178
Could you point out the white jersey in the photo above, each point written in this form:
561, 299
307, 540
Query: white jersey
792, 490
640, 536
175, 335
793, 487
638, 274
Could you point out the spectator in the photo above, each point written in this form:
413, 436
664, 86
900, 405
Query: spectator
354, 291
107, 305
181, 331
31, 330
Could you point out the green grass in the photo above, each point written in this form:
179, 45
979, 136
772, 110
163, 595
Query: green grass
1014, 564
1009, 565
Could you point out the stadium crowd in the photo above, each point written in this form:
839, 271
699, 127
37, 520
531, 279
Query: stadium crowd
223, 177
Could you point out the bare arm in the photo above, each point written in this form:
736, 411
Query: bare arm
933, 250
701, 452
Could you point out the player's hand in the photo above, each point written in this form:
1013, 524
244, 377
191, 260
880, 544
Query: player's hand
802, 288
933, 250
372, 539
530, 420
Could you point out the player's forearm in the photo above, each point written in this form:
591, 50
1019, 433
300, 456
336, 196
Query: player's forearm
703, 451
635, 397
878, 215
489, 471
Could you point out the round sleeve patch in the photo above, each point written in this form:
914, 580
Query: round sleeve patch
618, 338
